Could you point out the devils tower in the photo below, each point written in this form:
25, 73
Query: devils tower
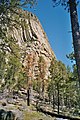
28, 32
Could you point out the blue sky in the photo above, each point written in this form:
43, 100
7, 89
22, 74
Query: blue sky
56, 24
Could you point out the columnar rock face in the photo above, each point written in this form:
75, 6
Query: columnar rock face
32, 39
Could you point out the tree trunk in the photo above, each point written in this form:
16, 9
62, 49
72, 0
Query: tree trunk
49, 98
58, 96
43, 88
53, 102
28, 97
75, 33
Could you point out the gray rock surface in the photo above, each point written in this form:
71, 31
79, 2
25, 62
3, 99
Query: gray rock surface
32, 39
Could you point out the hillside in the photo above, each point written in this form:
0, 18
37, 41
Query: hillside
31, 78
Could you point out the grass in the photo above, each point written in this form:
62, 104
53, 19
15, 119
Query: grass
34, 115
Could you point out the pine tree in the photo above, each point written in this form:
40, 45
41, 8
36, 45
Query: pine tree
72, 7
58, 76
41, 76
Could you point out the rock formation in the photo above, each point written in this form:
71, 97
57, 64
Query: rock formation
32, 39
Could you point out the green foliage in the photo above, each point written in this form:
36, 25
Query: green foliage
2, 65
71, 56
11, 64
63, 88
41, 75
11, 70
7, 9
64, 3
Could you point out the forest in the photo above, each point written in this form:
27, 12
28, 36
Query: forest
60, 92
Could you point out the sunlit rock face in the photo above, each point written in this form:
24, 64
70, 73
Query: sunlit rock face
32, 39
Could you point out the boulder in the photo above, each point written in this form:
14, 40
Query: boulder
6, 115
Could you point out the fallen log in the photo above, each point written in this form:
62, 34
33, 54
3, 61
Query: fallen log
58, 115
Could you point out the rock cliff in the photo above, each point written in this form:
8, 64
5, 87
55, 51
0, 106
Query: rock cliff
32, 39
